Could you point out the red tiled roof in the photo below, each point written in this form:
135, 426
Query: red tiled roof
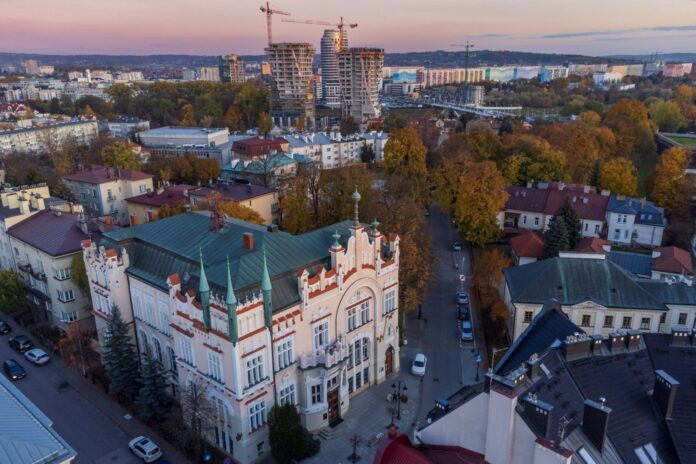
528, 244
171, 196
673, 260
588, 205
591, 245
95, 174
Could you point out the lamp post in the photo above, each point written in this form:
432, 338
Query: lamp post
397, 391
478, 365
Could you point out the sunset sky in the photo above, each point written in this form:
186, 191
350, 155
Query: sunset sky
214, 26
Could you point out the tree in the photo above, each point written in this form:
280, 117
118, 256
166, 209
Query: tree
79, 273
166, 211
481, 196
197, 414
670, 178
635, 132
12, 295
234, 119
152, 396
295, 211
619, 176
290, 441
447, 179
404, 156
499, 312
483, 143
555, 238
569, 216
334, 193
120, 155
119, 357
348, 126
265, 124
667, 115
75, 347
235, 210
684, 94
60, 190
367, 154
488, 268
206, 169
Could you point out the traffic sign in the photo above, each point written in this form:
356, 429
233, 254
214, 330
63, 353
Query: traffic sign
462, 278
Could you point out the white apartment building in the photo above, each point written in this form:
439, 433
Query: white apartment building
359, 74
254, 317
35, 139
332, 150
635, 220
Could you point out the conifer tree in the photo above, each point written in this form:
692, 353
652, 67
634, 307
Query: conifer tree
119, 357
569, 216
152, 396
555, 238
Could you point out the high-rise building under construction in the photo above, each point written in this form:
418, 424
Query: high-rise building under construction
292, 84
231, 69
332, 43
360, 75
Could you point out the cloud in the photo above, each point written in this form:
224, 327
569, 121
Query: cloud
615, 32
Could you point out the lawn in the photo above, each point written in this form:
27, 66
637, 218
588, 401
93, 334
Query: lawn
689, 142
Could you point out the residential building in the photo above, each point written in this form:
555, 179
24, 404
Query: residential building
332, 43
586, 69
634, 220
267, 170
677, 69
103, 190
125, 127
36, 139
28, 434
597, 294
44, 246
146, 206
208, 73
256, 316
332, 150
129, 76
188, 74
292, 84
563, 396
249, 148
203, 142
31, 67
527, 247
46, 70
635, 69
261, 199
550, 73
360, 75
607, 78
231, 69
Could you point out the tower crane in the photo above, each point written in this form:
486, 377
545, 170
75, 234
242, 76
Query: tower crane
341, 25
270, 12
467, 46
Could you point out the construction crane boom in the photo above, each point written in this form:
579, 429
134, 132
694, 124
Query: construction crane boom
340, 25
269, 13
467, 46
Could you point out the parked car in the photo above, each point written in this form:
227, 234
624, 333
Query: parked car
4, 328
21, 343
462, 298
145, 449
419, 364
456, 246
37, 356
467, 332
13, 370
463, 312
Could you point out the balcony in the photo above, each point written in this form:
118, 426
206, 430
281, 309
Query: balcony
326, 357
24, 267
38, 275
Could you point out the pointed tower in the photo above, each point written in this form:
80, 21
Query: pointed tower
231, 303
204, 293
266, 292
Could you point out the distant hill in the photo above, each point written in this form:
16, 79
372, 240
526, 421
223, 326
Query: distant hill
669, 57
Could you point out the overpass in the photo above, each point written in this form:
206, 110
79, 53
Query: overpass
497, 112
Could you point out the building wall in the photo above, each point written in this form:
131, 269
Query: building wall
109, 198
141, 214
620, 227
34, 140
677, 314
648, 235
11, 199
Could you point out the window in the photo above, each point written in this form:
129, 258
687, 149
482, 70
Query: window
608, 321
366, 376
625, 233
389, 301
186, 351
627, 321
585, 322
257, 415
586, 225
365, 350
285, 357
528, 316
164, 319
316, 394
682, 319
143, 341
596, 229
350, 356
352, 318
143, 189
365, 312
157, 350
137, 308
171, 361
65, 296
645, 323
321, 335
524, 219
617, 234
536, 221
214, 366
149, 311
287, 395
254, 371
663, 318
62, 274
350, 385
70, 316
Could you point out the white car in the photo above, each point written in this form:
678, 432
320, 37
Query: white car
145, 449
418, 365
37, 356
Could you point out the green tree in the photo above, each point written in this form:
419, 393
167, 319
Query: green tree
348, 126
119, 357
367, 154
120, 155
152, 396
619, 176
335, 189
567, 214
12, 295
290, 442
404, 156
121, 96
483, 143
555, 238
667, 115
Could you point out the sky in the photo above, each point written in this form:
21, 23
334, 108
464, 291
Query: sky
211, 27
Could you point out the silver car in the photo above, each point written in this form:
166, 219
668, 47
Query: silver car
145, 449
37, 356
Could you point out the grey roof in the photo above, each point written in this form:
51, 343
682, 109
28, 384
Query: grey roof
637, 263
646, 212
677, 293
26, 434
176, 131
572, 280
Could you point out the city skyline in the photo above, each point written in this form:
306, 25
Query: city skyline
181, 27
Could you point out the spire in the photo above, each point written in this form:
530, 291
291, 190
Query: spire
356, 199
203, 282
231, 302
231, 299
266, 291
204, 293
265, 279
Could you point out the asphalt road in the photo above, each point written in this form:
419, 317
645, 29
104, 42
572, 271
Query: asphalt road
451, 363
92, 423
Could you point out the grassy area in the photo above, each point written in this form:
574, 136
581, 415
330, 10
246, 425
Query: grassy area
689, 142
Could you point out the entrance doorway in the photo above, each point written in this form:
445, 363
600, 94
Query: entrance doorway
389, 361
334, 412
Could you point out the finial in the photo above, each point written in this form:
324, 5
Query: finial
231, 299
336, 236
356, 199
375, 225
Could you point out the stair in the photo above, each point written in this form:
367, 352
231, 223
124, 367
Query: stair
329, 433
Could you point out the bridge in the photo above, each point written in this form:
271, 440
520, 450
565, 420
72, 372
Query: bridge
496, 112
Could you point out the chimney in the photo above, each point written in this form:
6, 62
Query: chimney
595, 421
586, 188
680, 337
40, 203
561, 187
596, 345
576, 346
532, 366
538, 414
24, 206
606, 193
616, 342
530, 185
248, 239
633, 340
272, 228
665, 392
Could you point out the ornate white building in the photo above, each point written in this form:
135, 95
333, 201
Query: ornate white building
257, 316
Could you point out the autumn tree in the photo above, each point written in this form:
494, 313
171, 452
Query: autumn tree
120, 155
667, 115
488, 267
629, 119
531, 158
294, 206
335, 189
619, 176
483, 143
264, 124
670, 178
348, 126
234, 119
684, 94
447, 179
404, 156
233, 209
206, 169
166, 211
75, 347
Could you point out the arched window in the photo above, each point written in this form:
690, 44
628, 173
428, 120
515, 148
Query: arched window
143, 342
157, 353
171, 360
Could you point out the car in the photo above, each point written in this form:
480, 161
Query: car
456, 246
37, 356
467, 332
418, 365
13, 370
426, 212
462, 298
463, 312
21, 343
4, 328
145, 449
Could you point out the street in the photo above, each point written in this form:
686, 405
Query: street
92, 423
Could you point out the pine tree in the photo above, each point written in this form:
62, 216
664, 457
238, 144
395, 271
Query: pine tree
555, 238
152, 397
569, 216
289, 440
119, 357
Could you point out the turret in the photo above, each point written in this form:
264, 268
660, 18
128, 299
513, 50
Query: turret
231, 303
204, 294
266, 292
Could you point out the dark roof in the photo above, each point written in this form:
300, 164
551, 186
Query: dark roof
400, 450
529, 244
646, 212
673, 260
53, 233
235, 191
677, 293
171, 196
572, 280
95, 174
592, 205
549, 326
526, 199
637, 263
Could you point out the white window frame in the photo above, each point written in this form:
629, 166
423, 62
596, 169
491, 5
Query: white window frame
254, 371
321, 334
365, 307
389, 301
257, 415
352, 318
214, 365
315, 392
285, 353
186, 349
287, 395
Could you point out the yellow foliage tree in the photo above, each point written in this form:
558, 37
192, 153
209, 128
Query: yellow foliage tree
619, 176
670, 178
404, 156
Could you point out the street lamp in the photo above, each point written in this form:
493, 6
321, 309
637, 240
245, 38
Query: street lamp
478, 365
397, 391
